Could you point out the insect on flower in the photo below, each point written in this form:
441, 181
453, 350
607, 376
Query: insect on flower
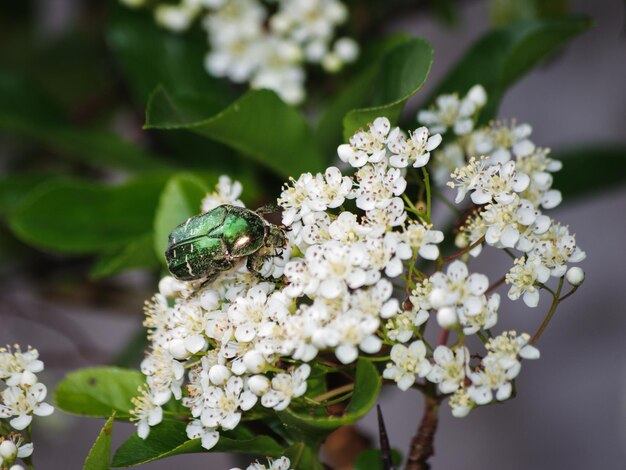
210, 243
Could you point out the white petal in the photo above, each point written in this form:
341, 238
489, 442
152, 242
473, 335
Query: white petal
209, 439
21, 422
346, 353
531, 299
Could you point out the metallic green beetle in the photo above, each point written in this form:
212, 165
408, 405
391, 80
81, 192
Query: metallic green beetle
206, 245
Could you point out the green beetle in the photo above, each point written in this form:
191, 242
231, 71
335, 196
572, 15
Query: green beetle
205, 245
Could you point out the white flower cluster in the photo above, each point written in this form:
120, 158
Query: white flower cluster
244, 340
21, 397
282, 463
265, 43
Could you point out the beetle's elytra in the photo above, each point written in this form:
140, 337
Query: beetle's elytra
210, 243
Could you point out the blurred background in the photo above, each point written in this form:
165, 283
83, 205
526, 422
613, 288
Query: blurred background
570, 411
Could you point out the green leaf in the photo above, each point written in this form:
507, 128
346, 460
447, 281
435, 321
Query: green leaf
82, 217
149, 55
588, 169
401, 74
371, 459
179, 200
356, 92
99, 456
98, 391
259, 125
26, 111
302, 457
170, 438
312, 429
138, 254
15, 187
503, 56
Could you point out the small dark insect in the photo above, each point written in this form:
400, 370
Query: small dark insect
206, 245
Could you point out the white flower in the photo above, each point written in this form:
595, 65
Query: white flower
282, 463
508, 347
408, 364
377, 185
492, 376
499, 182
20, 403
458, 288
285, 387
445, 161
415, 150
423, 239
145, 413
455, 113
501, 142
226, 191
208, 436
12, 446
14, 363
450, 368
523, 276
367, 146
223, 404
461, 403
164, 374
557, 247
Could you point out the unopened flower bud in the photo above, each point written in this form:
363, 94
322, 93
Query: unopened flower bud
575, 276
8, 450
258, 384
177, 349
438, 298
446, 317
254, 361
219, 374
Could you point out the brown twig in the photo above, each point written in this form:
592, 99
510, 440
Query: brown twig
422, 444
464, 250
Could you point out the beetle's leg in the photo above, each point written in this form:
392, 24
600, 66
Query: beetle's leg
268, 208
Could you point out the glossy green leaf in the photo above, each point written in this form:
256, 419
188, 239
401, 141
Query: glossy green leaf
371, 459
259, 125
99, 391
149, 55
503, 56
27, 112
179, 200
313, 429
401, 73
82, 217
138, 254
15, 187
356, 93
169, 438
588, 169
99, 457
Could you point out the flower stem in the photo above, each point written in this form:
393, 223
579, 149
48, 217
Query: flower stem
550, 314
422, 444
467, 249
334, 392
428, 196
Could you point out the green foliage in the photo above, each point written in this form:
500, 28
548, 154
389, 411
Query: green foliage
314, 429
259, 125
504, 12
99, 456
138, 254
588, 169
179, 200
169, 438
503, 56
355, 93
27, 112
149, 55
99, 391
81, 217
371, 459
401, 73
